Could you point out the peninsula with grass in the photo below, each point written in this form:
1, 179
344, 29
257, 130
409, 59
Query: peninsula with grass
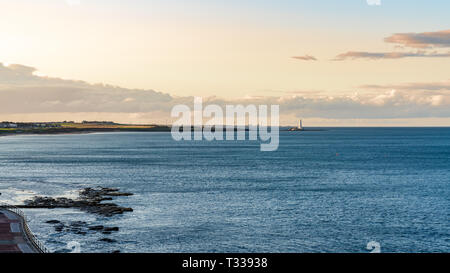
71, 127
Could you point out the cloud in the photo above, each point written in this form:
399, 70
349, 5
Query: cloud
73, 2
425, 41
305, 58
25, 95
388, 104
388, 55
373, 2
22, 91
421, 40
431, 86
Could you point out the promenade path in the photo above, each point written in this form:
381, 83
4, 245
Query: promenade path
13, 238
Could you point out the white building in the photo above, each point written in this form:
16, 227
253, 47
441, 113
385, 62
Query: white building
8, 125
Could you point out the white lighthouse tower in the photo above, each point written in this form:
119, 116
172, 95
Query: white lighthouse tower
298, 128
300, 125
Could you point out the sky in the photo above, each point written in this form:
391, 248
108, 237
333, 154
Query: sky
329, 62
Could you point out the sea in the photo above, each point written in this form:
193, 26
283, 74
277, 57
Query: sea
329, 190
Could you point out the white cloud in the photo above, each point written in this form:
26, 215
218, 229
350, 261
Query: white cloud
374, 2
73, 2
23, 93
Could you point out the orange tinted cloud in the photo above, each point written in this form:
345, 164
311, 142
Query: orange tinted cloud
387, 55
22, 92
421, 40
305, 58
430, 86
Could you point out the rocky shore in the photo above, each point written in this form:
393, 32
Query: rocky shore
80, 227
90, 200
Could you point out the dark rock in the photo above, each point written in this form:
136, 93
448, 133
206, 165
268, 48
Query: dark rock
59, 227
90, 200
118, 194
108, 240
53, 222
96, 228
78, 223
111, 229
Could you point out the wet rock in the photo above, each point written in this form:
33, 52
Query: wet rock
90, 200
111, 229
96, 228
82, 228
118, 194
53, 222
107, 240
78, 223
100, 193
59, 227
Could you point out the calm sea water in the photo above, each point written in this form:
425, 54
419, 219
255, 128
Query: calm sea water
324, 191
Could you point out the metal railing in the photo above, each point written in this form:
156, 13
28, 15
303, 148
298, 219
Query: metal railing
38, 245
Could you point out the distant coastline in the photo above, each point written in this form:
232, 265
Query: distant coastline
86, 127
54, 128
82, 131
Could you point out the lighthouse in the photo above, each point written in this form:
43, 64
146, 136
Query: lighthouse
298, 128
300, 125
